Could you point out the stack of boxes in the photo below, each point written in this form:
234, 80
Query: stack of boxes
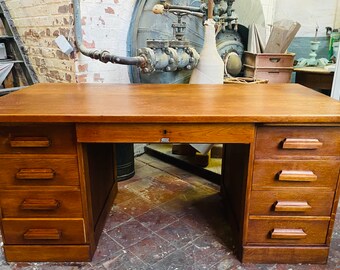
274, 67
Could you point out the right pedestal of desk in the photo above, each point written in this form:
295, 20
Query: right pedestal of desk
282, 193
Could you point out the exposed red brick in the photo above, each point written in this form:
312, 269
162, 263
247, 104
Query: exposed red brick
116, 1
81, 78
68, 77
62, 56
83, 68
48, 32
64, 9
64, 31
109, 10
88, 45
56, 33
54, 74
83, 20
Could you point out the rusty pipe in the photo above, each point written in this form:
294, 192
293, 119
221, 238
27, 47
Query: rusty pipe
101, 55
210, 9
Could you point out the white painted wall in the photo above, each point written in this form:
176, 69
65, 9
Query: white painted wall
269, 12
106, 25
309, 13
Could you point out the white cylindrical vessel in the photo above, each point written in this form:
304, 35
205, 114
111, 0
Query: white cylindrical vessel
210, 69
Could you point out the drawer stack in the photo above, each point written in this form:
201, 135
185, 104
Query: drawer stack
293, 194
40, 195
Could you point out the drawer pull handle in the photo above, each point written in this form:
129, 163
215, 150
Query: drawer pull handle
30, 142
274, 59
40, 174
293, 234
42, 234
291, 206
40, 204
301, 144
297, 176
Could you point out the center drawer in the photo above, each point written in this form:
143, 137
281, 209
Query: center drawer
43, 231
40, 203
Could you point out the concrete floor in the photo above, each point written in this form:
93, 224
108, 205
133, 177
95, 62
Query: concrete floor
167, 218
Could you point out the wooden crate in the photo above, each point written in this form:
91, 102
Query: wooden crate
269, 60
274, 67
273, 75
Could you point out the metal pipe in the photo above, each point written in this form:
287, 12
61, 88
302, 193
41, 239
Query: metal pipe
188, 8
101, 55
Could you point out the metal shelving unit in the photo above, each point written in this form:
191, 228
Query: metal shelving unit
20, 75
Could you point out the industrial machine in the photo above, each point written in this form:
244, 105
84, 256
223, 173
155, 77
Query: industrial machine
166, 37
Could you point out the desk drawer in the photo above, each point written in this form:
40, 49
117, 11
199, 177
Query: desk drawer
43, 231
39, 171
27, 139
295, 173
165, 133
277, 142
298, 202
40, 203
287, 231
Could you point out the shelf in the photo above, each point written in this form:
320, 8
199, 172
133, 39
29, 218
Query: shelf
6, 37
7, 61
4, 91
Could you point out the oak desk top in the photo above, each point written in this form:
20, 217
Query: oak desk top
175, 103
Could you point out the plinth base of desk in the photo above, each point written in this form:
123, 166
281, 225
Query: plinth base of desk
284, 254
43, 253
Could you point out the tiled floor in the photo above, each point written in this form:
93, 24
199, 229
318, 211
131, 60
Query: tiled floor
166, 218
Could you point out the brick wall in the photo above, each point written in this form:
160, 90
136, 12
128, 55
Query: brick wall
38, 23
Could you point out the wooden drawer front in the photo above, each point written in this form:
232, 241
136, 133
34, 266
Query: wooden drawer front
40, 203
299, 202
286, 231
26, 139
266, 60
295, 173
165, 133
275, 142
38, 171
43, 231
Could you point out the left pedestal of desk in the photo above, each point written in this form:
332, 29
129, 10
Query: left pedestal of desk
54, 192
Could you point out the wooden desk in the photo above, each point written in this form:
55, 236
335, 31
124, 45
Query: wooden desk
315, 78
280, 163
